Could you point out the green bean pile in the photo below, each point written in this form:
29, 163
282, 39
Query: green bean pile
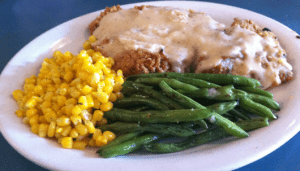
197, 107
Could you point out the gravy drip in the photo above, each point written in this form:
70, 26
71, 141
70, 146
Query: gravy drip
192, 40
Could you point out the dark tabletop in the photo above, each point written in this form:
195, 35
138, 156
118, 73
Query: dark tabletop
22, 21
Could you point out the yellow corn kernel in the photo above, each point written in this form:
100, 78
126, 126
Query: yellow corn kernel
97, 133
63, 121
96, 103
85, 115
61, 100
76, 119
50, 115
66, 130
90, 101
90, 126
64, 85
35, 128
86, 89
71, 101
69, 76
108, 89
67, 56
120, 73
101, 96
98, 115
46, 104
76, 110
31, 103
92, 39
67, 142
82, 102
38, 89
90, 52
112, 97
34, 119
81, 129
26, 120
117, 87
49, 96
106, 106
18, 94
55, 106
87, 45
20, 113
43, 129
80, 145
111, 60
119, 79
109, 135
75, 93
42, 119
58, 130
31, 112
68, 109
52, 129
74, 133
100, 141
93, 79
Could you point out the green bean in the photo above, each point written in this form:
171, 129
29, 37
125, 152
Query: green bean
129, 146
207, 136
132, 87
169, 129
256, 108
141, 108
270, 103
219, 93
135, 101
222, 108
220, 79
239, 114
182, 100
171, 82
120, 139
228, 126
195, 82
258, 91
153, 116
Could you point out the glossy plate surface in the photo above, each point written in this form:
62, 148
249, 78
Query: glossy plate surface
226, 154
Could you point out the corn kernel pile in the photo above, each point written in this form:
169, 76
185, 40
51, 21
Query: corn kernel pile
68, 97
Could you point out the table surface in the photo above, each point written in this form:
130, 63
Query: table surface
22, 21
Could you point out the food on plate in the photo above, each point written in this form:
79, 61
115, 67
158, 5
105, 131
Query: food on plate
149, 39
68, 97
160, 106
187, 76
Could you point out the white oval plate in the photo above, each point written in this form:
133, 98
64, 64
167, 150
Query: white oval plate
226, 154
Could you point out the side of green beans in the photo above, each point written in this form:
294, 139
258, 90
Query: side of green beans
162, 105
